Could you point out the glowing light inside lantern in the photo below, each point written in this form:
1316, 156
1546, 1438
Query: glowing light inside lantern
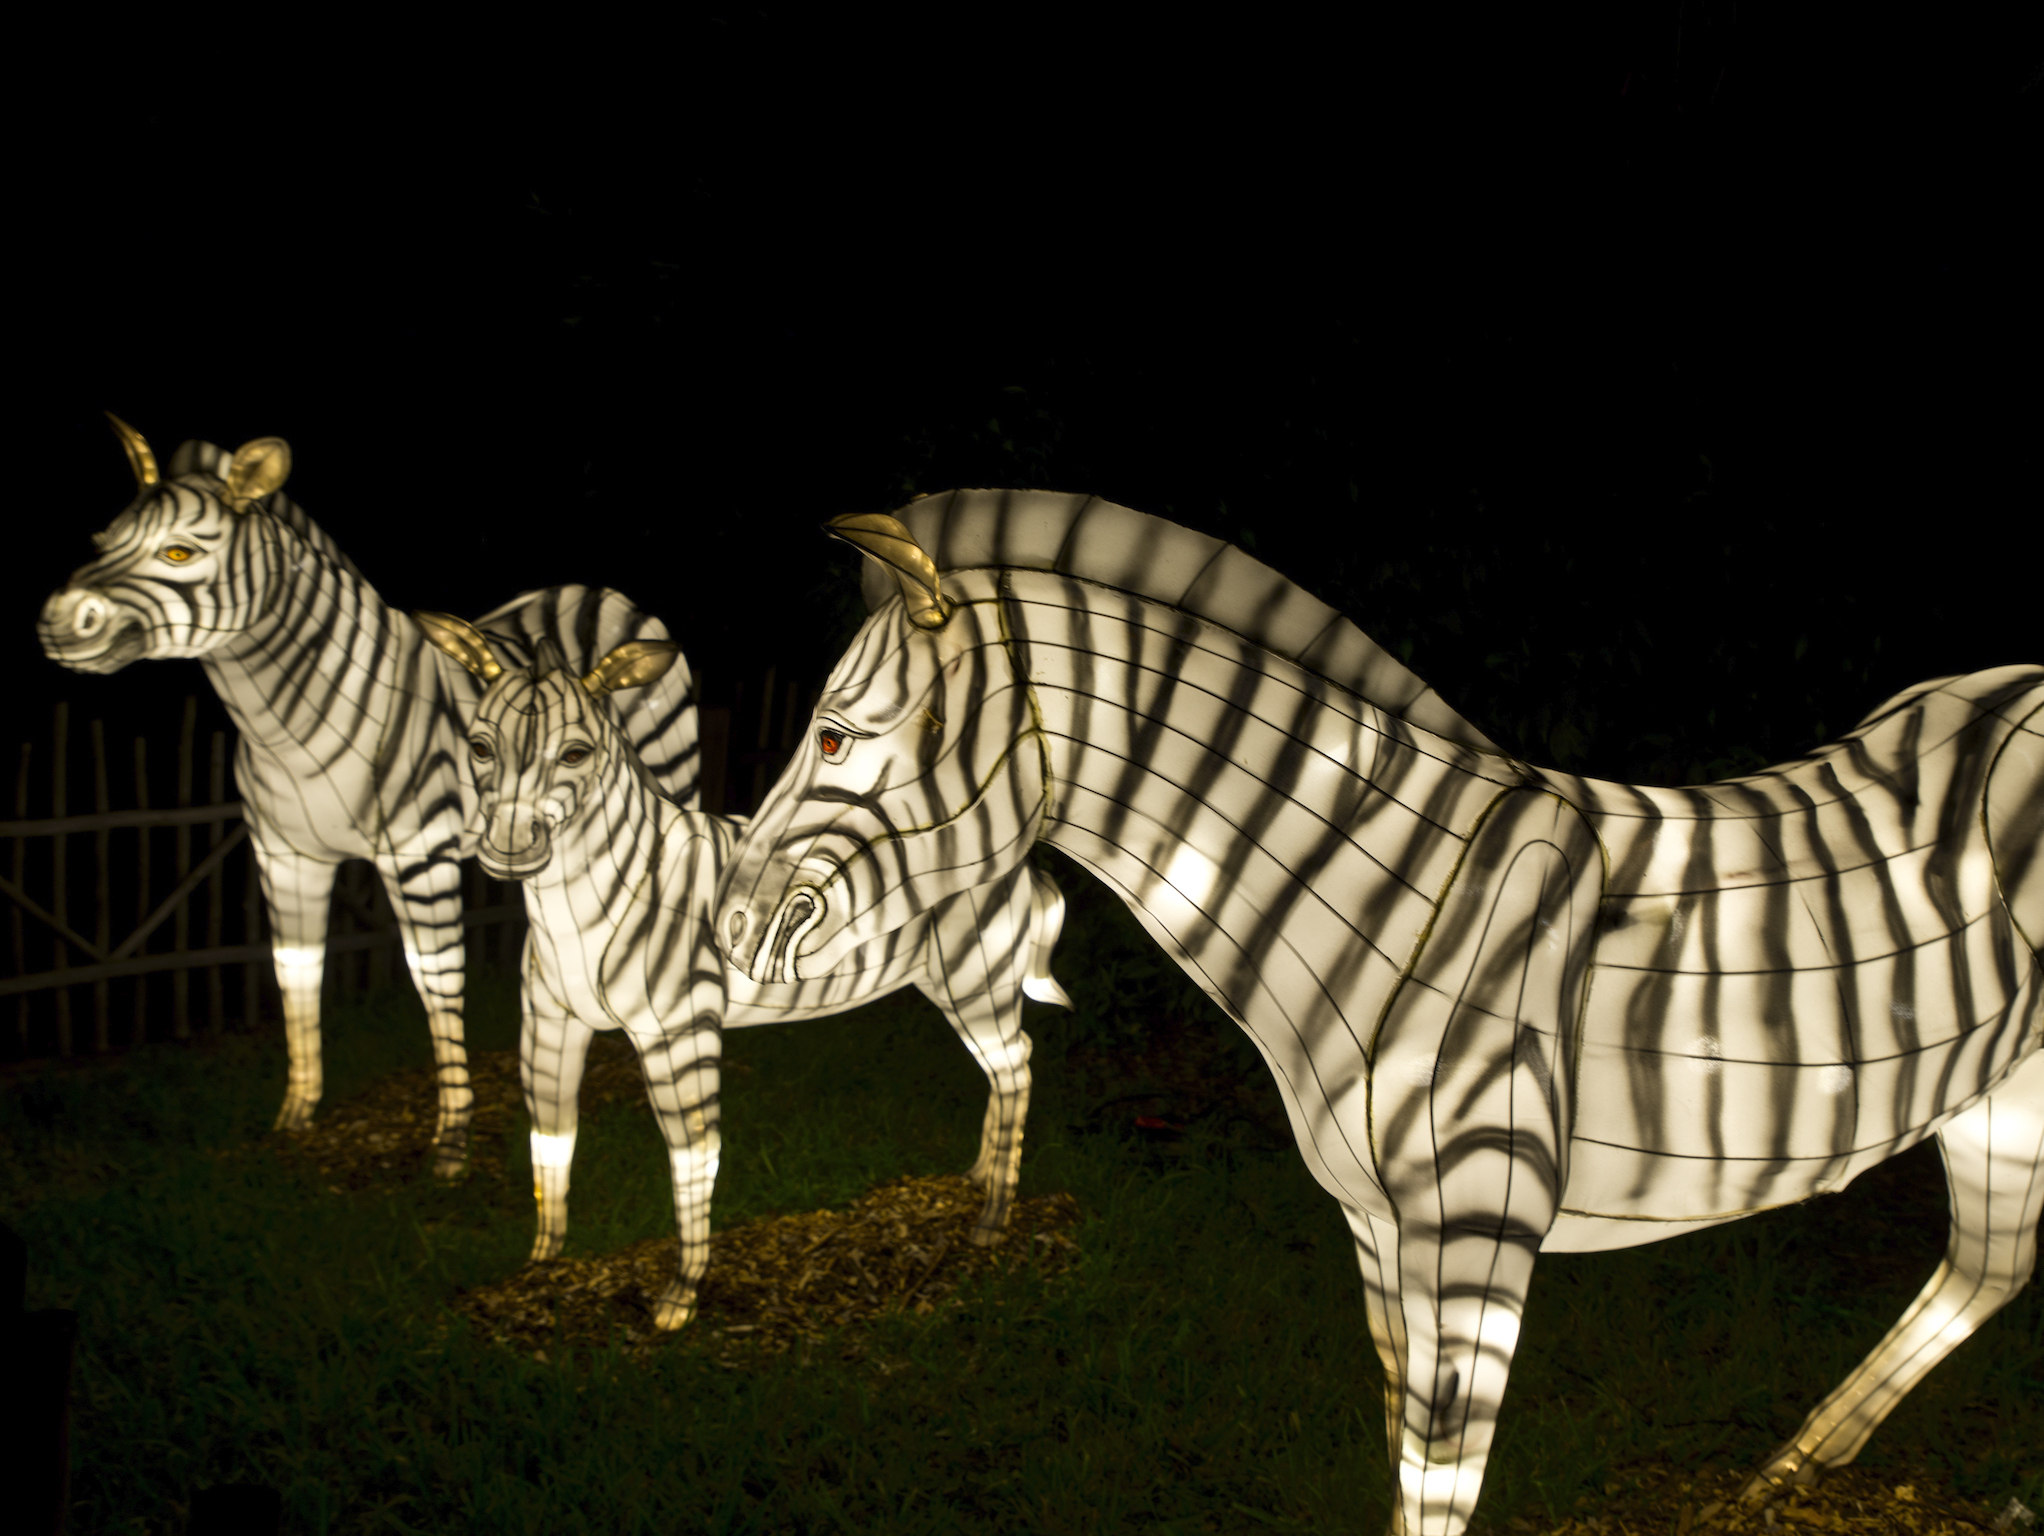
1193, 874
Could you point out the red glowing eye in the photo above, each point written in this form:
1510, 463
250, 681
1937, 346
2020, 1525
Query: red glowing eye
830, 741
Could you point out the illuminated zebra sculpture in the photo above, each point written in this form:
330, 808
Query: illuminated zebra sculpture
618, 886
350, 726
1508, 1009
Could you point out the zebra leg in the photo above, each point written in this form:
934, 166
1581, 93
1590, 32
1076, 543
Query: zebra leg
1469, 1121
298, 892
1376, 1237
552, 1047
1994, 1171
682, 1069
426, 896
985, 946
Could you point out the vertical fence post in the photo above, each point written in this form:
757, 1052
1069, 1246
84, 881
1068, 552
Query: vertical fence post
216, 784
102, 931
141, 1030
63, 950
181, 979
13, 908
766, 725
715, 741
379, 957
252, 930
787, 742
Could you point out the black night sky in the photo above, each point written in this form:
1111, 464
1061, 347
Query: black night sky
1660, 384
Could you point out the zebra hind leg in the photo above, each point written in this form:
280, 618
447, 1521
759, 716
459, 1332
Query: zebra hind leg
986, 948
682, 1070
426, 897
1994, 1171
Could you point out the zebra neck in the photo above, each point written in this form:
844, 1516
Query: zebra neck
323, 663
1241, 805
607, 856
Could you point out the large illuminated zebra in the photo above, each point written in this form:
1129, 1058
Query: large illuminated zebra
350, 725
1508, 1009
618, 887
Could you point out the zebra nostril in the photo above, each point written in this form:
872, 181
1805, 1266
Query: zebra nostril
88, 617
736, 927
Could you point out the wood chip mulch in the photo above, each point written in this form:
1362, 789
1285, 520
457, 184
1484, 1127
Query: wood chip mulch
1851, 1501
780, 1281
386, 1133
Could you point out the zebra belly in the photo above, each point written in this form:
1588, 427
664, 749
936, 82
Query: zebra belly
1712, 1121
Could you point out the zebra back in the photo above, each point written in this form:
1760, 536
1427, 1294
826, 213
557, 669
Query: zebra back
1116, 546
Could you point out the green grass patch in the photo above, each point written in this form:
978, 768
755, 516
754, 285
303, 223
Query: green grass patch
1206, 1367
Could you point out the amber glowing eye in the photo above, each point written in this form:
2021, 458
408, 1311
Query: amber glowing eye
830, 741
481, 749
177, 554
574, 755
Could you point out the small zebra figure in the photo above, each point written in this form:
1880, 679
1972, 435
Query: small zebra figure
350, 725
618, 886
1508, 1009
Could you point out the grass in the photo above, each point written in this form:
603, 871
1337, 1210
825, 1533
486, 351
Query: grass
1206, 1367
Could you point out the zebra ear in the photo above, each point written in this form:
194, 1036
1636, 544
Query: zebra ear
461, 640
140, 459
257, 469
884, 539
632, 665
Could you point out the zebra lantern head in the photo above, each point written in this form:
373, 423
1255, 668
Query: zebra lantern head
186, 567
924, 775
542, 747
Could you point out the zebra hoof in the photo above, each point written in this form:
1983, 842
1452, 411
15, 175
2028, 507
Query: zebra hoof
1777, 1477
987, 1237
677, 1304
450, 1164
545, 1248
296, 1115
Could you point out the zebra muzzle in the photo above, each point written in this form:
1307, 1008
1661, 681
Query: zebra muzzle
798, 916
522, 862
80, 629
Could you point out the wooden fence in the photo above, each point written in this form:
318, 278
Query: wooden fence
179, 884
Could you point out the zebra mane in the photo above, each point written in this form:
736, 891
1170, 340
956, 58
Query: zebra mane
194, 457
1115, 546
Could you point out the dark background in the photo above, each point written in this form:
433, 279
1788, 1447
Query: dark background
1662, 385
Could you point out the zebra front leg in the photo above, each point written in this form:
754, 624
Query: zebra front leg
298, 892
426, 896
552, 1049
1994, 1171
1468, 1118
682, 1069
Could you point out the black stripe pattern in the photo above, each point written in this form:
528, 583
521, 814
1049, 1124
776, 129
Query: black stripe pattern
349, 725
1508, 1010
619, 883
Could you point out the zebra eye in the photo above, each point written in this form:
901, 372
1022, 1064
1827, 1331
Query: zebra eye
480, 749
833, 743
178, 554
574, 755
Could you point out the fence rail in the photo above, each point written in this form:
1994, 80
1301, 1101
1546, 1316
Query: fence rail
199, 913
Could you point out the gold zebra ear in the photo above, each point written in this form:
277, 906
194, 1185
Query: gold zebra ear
884, 539
140, 459
461, 640
257, 469
632, 665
